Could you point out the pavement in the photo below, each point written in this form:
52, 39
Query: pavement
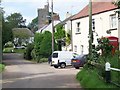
20, 73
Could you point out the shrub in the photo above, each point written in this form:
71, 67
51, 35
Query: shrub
27, 53
2, 66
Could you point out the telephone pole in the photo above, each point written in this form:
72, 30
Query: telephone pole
1, 19
90, 29
52, 26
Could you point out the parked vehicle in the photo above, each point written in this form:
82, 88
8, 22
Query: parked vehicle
62, 58
79, 61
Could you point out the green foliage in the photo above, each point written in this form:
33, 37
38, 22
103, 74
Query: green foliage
46, 45
8, 50
105, 47
117, 3
60, 32
15, 20
37, 42
27, 53
8, 44
7, 34
68, 39
42, 45
90, 79
19, 50
33, 25
2, 67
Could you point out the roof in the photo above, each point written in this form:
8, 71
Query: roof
64, 21
97, 7
48, 27
24, 31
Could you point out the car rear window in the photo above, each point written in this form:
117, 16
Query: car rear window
55, 55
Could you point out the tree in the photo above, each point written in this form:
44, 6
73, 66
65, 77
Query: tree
60, 36
117, 3
16, 20
7, 34
33, 26
60, 32
43, 45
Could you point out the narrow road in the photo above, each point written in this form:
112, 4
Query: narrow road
20, 73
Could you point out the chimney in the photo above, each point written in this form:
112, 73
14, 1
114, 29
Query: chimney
68, 14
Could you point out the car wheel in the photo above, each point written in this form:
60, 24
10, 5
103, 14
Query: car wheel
76, 67
55, 66
62, 65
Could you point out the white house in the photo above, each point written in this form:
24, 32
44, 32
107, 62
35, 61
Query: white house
104, 23
48, 27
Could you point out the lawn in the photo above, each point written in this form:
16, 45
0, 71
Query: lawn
92, 77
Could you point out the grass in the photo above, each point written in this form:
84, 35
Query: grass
2, 66
90, 79
8, 50
19, 50
12, 50
41, 60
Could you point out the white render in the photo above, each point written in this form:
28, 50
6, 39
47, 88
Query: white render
102, 24
47, 27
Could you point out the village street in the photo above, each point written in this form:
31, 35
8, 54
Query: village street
20, 73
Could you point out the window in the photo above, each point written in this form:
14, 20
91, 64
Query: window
78, 27
113, 21
75, 48
55, 55
93, 24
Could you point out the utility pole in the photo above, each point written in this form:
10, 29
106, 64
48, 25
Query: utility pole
119, 27
52, 26
1, 17
90, 29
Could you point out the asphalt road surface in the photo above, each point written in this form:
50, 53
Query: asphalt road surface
20, 73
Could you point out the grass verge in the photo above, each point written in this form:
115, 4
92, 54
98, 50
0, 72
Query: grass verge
89, 79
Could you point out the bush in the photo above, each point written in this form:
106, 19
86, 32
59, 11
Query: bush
8, 44
27, 53
2, 66
43, 60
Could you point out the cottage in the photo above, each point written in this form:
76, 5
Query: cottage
104, 23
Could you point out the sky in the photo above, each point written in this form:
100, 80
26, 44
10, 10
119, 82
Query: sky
28, 8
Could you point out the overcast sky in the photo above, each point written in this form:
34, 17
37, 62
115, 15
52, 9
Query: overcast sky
28, 8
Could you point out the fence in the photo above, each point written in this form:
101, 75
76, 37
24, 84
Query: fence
108, 69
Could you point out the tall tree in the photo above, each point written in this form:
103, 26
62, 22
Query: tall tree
15, 20
33, 26
7, 34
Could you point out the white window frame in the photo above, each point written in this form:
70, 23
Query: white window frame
75, 48
113, 21
78, 27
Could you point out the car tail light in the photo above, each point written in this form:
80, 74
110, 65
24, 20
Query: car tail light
77, 60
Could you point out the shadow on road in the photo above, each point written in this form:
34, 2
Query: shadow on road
14, 59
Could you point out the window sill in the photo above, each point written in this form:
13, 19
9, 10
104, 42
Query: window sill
78, 33
112, 29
